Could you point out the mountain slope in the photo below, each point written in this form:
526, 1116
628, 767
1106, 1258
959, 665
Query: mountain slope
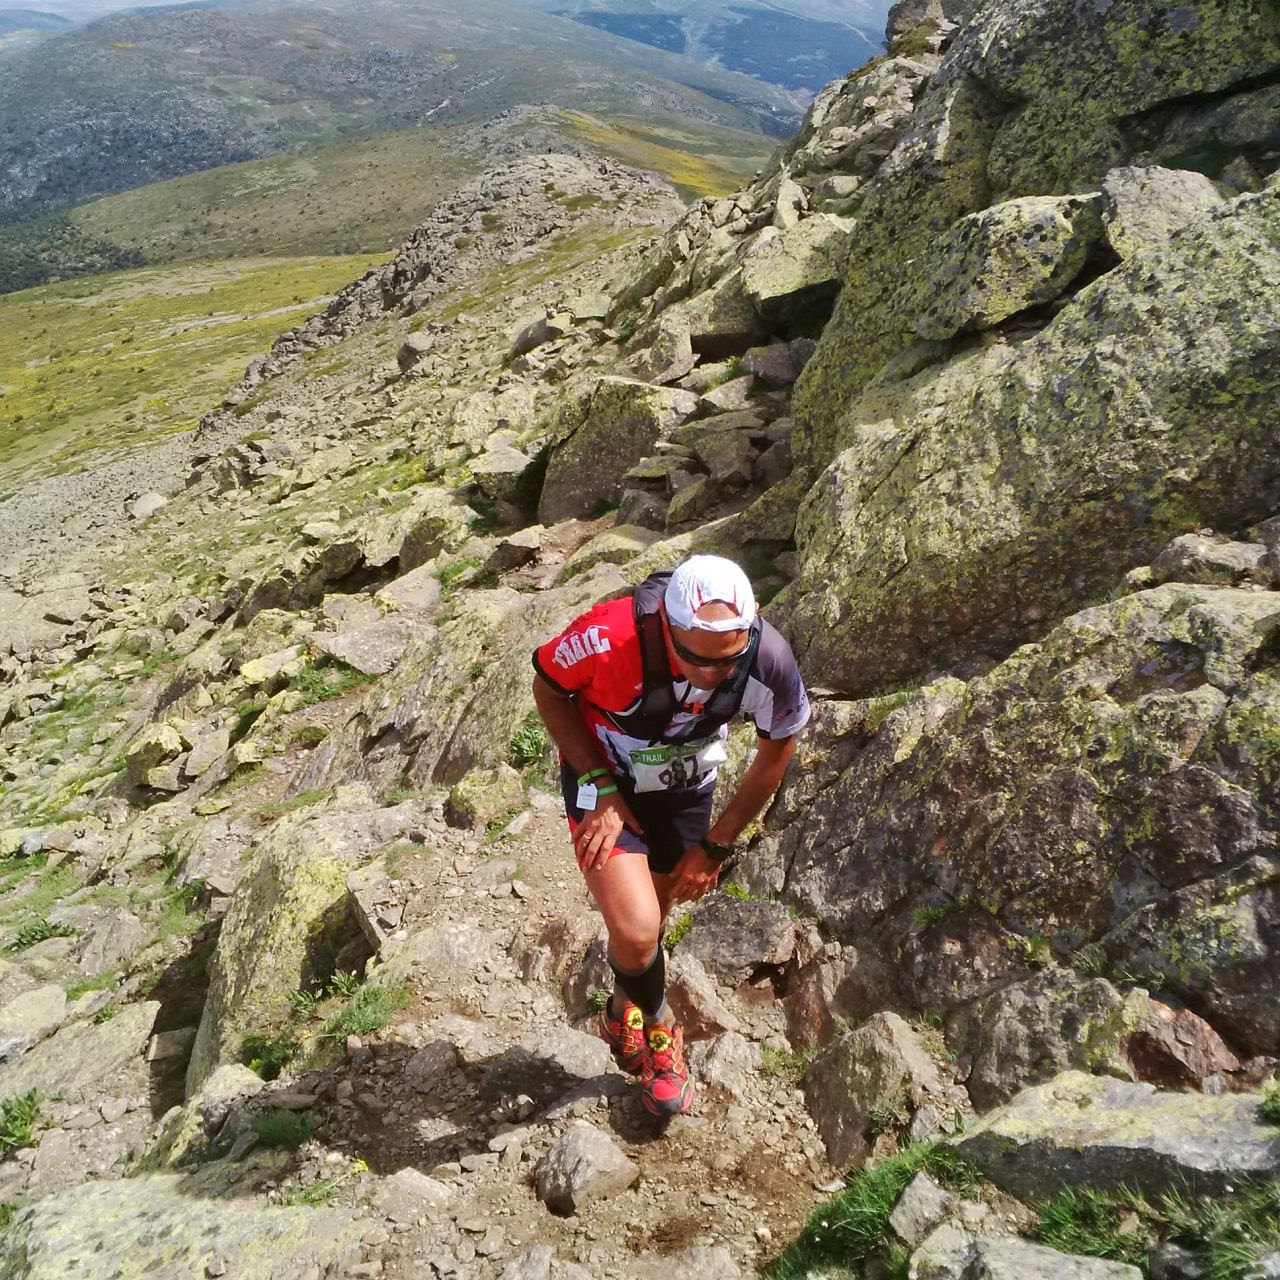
145, 96
796, 45
12, 20
361, 195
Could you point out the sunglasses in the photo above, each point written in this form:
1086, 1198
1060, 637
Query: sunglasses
701, 660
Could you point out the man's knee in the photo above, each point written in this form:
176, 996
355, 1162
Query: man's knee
632, 944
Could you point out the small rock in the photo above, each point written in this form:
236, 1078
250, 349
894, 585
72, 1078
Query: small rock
533, 1264
920, 1208
148, 505
583, 1165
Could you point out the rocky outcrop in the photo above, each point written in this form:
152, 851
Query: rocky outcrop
1101, 800
161, 1225
286, 921
1079, 1130
1012, 504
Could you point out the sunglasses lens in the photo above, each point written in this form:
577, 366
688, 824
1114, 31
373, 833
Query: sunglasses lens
700, 660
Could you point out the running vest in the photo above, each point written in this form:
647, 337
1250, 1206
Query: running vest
650, 717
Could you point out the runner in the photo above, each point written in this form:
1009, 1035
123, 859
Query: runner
637, 694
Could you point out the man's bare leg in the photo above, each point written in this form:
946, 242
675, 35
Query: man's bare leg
626, 895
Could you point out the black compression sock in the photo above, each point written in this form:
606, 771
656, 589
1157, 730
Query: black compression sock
647, 987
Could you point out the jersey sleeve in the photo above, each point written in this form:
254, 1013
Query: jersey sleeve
784, 709
570, 661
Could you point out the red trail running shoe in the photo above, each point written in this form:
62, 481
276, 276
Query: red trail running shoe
664, 1083
624, 1035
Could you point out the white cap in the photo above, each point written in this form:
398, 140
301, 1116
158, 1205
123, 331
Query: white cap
699, 581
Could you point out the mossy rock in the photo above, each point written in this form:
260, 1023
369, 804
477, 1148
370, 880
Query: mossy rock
1107, 800
286, 921
981, 499
484, 797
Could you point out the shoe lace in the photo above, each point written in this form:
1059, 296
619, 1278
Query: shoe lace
664, 1050
631, 1033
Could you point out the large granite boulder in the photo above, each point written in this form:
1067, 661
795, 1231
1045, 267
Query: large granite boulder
995, 263
602, 431
1145, 205
293, 899
83, 1059
880, 1068
1105, 800
166, 1225
951, 1254
1035, 99
1080, 1130
973, 501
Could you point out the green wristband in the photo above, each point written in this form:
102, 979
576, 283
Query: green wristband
595, 773
607, 791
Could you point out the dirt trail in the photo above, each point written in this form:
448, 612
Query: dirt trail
739, 1171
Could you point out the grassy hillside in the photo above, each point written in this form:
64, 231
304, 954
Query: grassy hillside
362, 196
104, 362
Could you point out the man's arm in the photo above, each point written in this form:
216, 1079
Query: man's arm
560, 714
599, 829
756, 789
697, 872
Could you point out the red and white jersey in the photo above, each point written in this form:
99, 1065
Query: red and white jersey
597, 659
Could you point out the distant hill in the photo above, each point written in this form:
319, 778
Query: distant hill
796, 44
353, 196
149, 95
12, 20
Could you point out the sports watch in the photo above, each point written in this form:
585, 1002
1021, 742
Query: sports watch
717, 852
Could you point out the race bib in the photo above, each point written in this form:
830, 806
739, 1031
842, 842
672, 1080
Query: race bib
676, 766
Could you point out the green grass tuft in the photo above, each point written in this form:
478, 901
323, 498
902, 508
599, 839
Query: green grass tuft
99, 982
18, 1117
369, 1010
1269, 1108
855, 1224
281, 1129
676, 932
269, 1055
310, 735
1080, 1220
597, 999
304, 799
38, 930
322, 682
530, 741
785, 1064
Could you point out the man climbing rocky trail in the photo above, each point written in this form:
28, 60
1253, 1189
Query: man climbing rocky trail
976, 382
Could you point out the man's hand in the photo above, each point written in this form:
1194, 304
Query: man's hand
695, 874
599, 830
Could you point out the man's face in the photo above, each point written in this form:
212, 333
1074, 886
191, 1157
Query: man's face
706, 658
